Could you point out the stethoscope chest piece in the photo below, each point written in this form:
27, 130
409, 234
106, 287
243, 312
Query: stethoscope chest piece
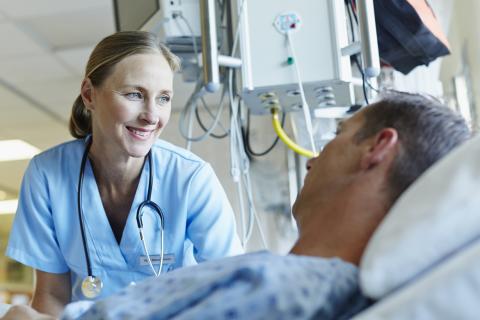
91, 286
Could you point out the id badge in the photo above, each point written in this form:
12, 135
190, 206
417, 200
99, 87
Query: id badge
168, 258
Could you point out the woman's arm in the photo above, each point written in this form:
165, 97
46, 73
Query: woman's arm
211, 221
52, 292
21, 312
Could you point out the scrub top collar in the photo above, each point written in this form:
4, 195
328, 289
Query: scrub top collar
99, 232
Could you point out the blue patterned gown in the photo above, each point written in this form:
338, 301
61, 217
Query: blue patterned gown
259, 285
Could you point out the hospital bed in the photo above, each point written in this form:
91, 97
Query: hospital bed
423, 262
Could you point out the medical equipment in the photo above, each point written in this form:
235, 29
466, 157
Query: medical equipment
283, 136
92, 285
307, 64
315, 31
158, 16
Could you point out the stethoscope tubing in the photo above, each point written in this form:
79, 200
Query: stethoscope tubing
139, 215
79, 206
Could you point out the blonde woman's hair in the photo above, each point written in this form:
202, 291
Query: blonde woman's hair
106, 54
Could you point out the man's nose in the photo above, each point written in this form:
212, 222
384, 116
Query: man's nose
310, 163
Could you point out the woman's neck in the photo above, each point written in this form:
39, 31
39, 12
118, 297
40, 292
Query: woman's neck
115, 172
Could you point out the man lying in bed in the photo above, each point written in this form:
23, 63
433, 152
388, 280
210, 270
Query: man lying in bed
349, 188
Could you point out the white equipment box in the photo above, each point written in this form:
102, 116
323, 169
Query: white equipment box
318, 32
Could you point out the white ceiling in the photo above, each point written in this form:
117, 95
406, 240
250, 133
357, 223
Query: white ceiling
44, 47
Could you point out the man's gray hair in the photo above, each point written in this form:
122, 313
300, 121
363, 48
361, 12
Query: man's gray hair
427, 130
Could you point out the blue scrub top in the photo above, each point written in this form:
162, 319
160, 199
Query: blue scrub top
199, 220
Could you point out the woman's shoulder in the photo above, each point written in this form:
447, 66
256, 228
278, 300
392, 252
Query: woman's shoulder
60, 153
167, 149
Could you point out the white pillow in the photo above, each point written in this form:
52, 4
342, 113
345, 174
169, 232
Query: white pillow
450, 291
4, 308
438, 214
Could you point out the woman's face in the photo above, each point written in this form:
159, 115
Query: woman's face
132, 105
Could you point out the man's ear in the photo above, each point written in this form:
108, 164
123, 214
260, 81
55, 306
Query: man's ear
381, 145
86, 91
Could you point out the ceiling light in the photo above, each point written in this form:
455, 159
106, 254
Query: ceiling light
16, 150
8, 206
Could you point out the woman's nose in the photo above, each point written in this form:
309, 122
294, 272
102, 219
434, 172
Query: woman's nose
150, 113
149, 118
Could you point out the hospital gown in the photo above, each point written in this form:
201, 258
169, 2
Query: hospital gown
254, 286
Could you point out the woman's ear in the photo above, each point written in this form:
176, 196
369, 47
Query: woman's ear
86, 91
382, 145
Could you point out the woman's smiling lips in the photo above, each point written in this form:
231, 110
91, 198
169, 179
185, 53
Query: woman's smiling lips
140, 133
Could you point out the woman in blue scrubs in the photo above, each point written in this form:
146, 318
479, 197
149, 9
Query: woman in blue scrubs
125, 103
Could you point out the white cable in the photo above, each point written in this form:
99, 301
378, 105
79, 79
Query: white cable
306, 108
198, 93
242, 213
210, 113
239, 158
190, 127
190, 107
240, 163
237, 31
254, 211
236, 169
161, 253
234, 165
244, 171
148, 254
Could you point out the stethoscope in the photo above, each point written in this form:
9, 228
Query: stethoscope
92, 285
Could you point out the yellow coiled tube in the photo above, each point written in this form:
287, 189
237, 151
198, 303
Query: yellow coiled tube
283, 136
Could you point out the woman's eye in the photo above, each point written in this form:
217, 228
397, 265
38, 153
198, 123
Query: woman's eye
163, 100
134, 96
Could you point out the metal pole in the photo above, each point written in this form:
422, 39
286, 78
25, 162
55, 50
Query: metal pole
368, 36
211, 76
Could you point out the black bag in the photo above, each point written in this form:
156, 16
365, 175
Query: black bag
408, 34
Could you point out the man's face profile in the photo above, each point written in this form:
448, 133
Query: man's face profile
339, 159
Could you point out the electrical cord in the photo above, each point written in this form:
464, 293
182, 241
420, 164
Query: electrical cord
305, 107
354, 9
188, 135
351, 11
240, 166
246, 138
202, 126
190, 107
239, 162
